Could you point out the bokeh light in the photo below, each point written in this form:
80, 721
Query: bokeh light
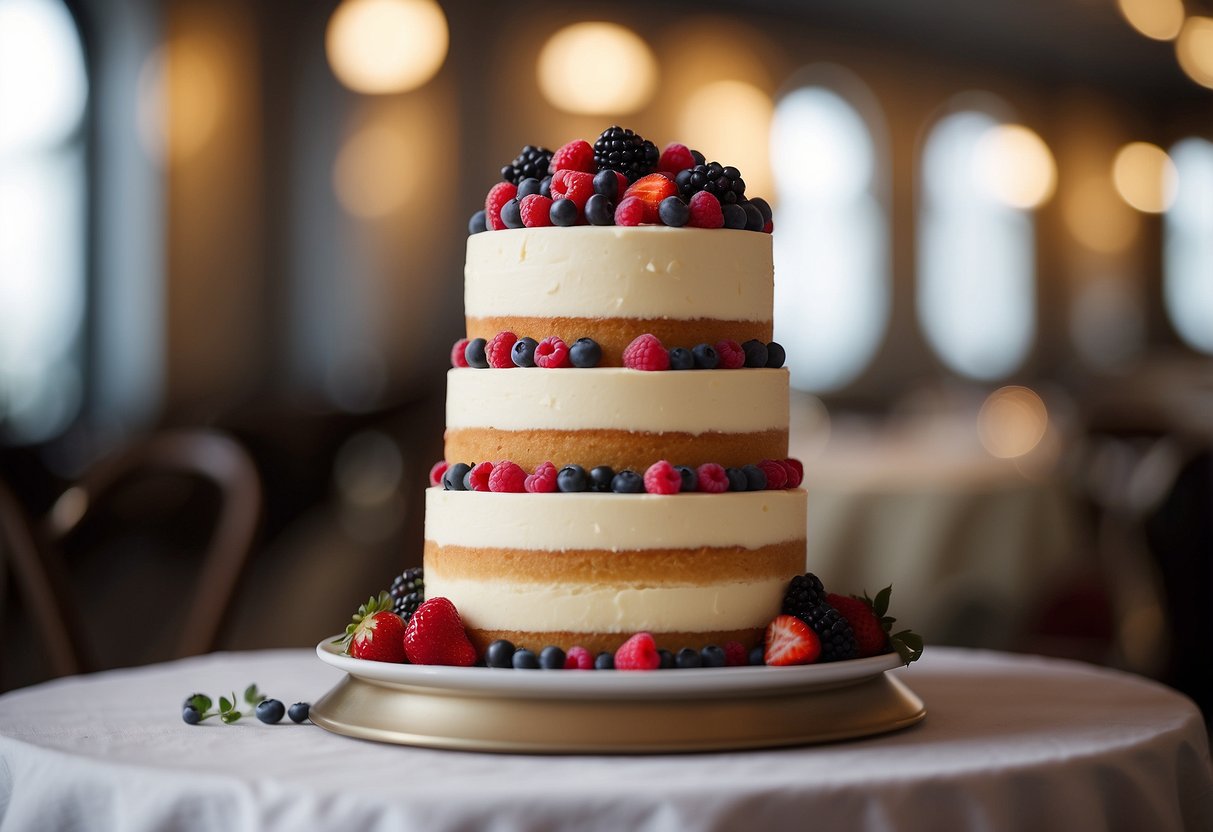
180, 98
43, 86
1145, 177
1194, 49
1096, 218
1157, 19
1012, 164
1012, 421
742, 139
370, 176
597, 69
386, 46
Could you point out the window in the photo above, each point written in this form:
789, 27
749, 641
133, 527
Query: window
1188, 252
832, 292
43, 91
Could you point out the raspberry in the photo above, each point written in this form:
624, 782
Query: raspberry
437, 471
574, 185
712, 478
498, 196
638, 653
651, 190
735, 654
498, 350
578, 658
676, 157
552, 353
631, 210
662, 478
777, 478
507, 478
576, 155
799, 467
793, 475
646, 353
543, 481
536, 211
732, 356
459, 353
478, 477
769, 227
705, 211
435, 635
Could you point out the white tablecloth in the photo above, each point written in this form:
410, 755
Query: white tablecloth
1009, 743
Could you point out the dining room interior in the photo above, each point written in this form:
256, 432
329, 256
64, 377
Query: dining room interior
231, 273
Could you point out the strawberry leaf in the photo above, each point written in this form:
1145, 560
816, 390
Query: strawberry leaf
908, 645
880, 605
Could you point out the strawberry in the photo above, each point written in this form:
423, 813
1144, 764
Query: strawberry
638, 653
375, 632
873, 628
498, 196
576, 155
435, 635
651, 190
790, 641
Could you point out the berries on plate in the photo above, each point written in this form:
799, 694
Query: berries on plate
408, 591
500, 654
735, 654
789, 641
578, 658
638, 653
375, 633
435, 635
873, 626
646, 352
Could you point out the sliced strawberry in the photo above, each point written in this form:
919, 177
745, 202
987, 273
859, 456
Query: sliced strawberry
651, 190
435, 635
790, 641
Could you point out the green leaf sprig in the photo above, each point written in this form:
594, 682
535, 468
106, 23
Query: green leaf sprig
229, 710
907, 643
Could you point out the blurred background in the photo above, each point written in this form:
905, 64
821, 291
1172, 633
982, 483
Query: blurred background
231, 248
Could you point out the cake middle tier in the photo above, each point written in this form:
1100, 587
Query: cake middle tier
617, 417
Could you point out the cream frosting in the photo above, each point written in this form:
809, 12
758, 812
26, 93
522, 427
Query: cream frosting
604, 272
689, 401
613, 522
599, 608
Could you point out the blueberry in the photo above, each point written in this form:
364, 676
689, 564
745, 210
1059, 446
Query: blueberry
477, 223
712, 656
571, 479
705, 357
473, 353
753, 218
551, 658
523, 352
698, 157
673, 212
452, 480
467, 480
545, 187
681, 359
601, 478
690, 480
527, 186
604, 661
627, 482
756, 655
511, 214
299, 712
737, 479
500, 654
734, 215
755, 477
776, 355
687, 658
563, 212
599, 210
524, 659
270, 711
764, 208
683, 179
606, 183
755, 353
585, 352
191, 715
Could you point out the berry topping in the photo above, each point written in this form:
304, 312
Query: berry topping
690, 480
523, 352
578, 658
526, 188
624, 151
627, 482
576, 155
599, 210
735, 654
477, 479
790, 641
507, 478
737, 479
637, 653
477, 223
775, 355
270, 711
299, 712
500, 654
705, 211
706, 357
753, 218
608, 184
681, 359
803, 593
459, 353
676, 157
734, 216
511, 214
631, 211
474, 354
651, 190
437, 471
687, 659
724, 183
531, 162
498, 196
646, 353
585, 352
408, 591
601, 478
833, 631
563, 213
574, 185
604, 661
452, 480
535, 210
798, 465
756, 656
764, 208
497, 351
777, 477
552, 658
873, 626
435, 635
755, 478
545, 187
572, 479
543, 481
712, 478
732, 356
552, 353
662, 478
667, 659
712, 655
375, 632
673, 212
524, 659
791, 472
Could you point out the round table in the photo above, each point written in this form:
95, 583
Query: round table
1009, 742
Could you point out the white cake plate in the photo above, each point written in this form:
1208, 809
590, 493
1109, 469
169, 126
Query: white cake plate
613, 712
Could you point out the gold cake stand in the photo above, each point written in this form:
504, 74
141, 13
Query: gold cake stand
708, 709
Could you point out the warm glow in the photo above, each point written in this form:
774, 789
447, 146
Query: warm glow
43, 86
386, 46
1096, 218
741, 140
1157, 19
180, 98
1194, 49
1012, 164
1012, 422
370, 176
597, 69
1145, 177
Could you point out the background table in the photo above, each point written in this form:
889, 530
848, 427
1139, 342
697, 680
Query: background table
1008, 743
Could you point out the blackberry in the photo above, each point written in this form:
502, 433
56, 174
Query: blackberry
721, 181
622, 150
408, 604
803, 594
531, 162
408, 591
834, 631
